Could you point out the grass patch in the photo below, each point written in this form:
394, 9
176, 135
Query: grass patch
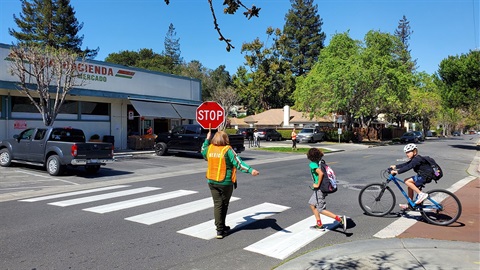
288, 150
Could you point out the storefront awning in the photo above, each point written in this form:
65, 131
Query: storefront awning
155, 109
186, 111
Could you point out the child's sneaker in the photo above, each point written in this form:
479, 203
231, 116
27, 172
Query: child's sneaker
405, 207
343, 221
319, 228
421, 197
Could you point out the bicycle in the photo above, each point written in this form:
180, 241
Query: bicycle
441, 207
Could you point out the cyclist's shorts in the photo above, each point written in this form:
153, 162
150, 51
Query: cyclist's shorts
419, 180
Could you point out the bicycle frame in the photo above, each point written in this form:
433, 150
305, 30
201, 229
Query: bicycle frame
435, 204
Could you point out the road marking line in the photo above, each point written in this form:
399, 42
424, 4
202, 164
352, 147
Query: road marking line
56, 196
48, 177
175, 211
138, 201
236, 220
286, 242
95, 198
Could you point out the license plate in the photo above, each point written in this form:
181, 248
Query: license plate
93, 160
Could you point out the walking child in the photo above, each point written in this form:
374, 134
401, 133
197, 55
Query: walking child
317, 200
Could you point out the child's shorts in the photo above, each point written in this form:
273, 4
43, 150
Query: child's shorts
418, 180
318, 199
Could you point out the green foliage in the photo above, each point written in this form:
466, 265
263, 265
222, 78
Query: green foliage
331, 135
459, 81
50, 23
286, 133
302, 37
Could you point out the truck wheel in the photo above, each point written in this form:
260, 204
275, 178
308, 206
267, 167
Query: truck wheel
92, 168
160, 149
54, 166
5, 158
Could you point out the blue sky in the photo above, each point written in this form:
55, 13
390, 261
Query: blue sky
441, 28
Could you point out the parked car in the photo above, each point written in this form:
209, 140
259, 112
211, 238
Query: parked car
456, 133
269, 134
55, 149
409, 137
310, 135
419, 135
246, 132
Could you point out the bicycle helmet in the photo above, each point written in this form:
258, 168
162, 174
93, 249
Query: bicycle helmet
409, 147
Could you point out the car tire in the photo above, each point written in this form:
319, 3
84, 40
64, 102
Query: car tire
5, 157
53, 165
161, 149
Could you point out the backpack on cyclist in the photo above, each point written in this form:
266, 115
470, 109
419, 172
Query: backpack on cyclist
329, 181
437, 172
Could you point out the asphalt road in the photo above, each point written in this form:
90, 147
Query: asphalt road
95, 231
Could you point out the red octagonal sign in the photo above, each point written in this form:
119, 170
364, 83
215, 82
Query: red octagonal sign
210, 114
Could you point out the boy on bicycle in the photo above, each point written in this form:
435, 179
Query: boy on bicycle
317, 200
422, 168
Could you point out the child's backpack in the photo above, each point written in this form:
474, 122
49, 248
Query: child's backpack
437, 172
329, 181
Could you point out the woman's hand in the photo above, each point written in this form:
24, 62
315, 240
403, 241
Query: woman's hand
255, 172
209, 134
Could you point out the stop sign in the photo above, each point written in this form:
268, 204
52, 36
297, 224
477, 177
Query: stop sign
210, 114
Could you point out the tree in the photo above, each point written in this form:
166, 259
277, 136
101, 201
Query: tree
232, 8
459, 81
50, 23
356, 80
271, 82
52, 71
227, 97
172, 47
144, 58
302, 37
403, 32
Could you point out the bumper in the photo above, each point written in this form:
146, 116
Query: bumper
100, 161
304, 139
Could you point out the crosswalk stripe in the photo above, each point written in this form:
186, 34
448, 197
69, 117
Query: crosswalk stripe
175, 211
284, 243
236, 220
56, 196
138, 201
103, 196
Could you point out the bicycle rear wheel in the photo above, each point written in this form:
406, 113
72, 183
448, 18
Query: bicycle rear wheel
376, 200
448, 210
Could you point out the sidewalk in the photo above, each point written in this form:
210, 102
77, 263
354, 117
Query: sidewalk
422, 246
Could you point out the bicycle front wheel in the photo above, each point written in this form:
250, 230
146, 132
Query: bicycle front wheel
376, 200
441, 207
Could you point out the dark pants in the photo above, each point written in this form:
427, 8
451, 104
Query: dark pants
221, 198
294, 143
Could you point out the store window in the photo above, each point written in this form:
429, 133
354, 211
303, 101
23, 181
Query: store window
94, 110
1, 106
68, 110
22, 107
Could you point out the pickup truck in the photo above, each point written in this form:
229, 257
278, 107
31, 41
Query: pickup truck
55, 148
189, 138
311, 135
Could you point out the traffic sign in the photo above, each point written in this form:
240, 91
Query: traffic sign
210, 114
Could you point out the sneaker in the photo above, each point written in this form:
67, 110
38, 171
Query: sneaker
319, 228
226, 229
421, 197
405, 207
221, 234
343, 221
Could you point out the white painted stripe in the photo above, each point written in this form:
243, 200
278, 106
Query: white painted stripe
103, 196
236, 220
138, 201
175, 211
56, 196
403, 223
284, 243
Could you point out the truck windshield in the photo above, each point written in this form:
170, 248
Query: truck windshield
67, 135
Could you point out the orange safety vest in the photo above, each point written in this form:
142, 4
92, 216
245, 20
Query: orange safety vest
217, 166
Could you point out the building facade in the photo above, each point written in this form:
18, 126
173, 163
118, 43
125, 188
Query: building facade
114, 101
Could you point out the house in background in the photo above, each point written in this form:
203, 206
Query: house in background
280, 118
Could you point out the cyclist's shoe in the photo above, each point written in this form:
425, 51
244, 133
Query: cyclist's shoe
343, 221
319, 228
405, 207
421, 197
